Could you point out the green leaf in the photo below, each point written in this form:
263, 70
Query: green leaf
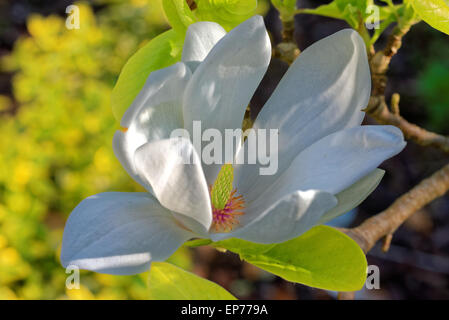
197, 243
322, 258
182, 258
168, 282
338, 9
351, 197
353, 11
178, 14
227, 13
434, 12
162, 51
359, 4
286, 4
389, 12
383, 25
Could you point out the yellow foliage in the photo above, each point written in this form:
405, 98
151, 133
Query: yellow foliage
5, 103
83, 293
57, 148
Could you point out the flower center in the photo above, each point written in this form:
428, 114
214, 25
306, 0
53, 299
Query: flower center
226, 204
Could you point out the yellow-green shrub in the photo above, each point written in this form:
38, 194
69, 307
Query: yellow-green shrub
56, 150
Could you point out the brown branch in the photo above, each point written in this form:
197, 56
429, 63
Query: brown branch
387, 242
386, 222
380, 61
346, 296
378, 109
191, 4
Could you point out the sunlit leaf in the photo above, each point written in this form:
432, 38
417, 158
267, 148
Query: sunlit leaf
178, 14
160, 52
168, 282
330, 10
322, 258
434, 12
359, 4
52, 67
227, 13
182, 258
350, 10
285, 7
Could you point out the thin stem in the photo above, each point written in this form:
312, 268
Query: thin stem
287, 50
378, 109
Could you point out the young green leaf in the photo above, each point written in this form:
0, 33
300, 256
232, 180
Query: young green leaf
162, 51
227, 13
178, 14
351, 11
322, 258
359, 4
330, 10
168, 282
434, 12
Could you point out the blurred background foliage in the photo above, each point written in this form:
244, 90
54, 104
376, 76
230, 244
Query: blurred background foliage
55, 142
433, 86
56, 128
56, 132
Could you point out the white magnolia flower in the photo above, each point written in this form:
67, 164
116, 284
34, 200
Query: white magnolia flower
327, 160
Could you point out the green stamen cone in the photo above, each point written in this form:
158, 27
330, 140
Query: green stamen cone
222, 188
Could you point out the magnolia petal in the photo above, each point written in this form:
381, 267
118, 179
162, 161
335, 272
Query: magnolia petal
223, 84
284, 219
155, 113
323, 91
200, 38
351, 197
120, 233
173, 169
339, 160
162, 86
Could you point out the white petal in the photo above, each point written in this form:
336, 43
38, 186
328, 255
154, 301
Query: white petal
162, 86
120, 233
339, 160
200, 38
172, 168
124, 149
351, 197
283, 220
156, 111
225, 81
323, 91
